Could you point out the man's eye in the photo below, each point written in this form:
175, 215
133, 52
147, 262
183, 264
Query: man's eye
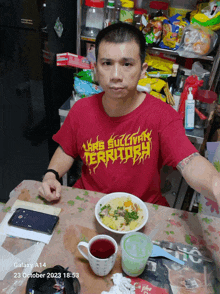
107, 63
127, 64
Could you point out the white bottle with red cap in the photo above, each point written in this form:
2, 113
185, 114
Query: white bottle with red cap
189, 111
93, 18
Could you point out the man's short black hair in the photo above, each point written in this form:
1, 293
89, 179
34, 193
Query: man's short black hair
119, 33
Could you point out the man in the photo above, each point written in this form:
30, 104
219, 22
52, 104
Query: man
123, 136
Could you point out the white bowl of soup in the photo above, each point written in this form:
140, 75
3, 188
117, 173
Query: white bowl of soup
121, 212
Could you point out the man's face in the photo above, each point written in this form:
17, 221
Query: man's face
118, 68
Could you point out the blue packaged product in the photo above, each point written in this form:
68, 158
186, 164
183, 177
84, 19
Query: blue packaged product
172, 31
85, 88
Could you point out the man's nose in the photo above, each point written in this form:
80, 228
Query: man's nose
116, 72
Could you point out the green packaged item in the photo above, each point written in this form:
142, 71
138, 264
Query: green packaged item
85, 75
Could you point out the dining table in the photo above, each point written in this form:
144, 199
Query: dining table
77, 222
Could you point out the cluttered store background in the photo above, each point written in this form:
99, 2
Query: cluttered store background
183, 54
183, 51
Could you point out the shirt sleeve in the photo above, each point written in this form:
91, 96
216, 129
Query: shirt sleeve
66, 137
174, 144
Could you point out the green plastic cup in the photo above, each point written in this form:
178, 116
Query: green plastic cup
136, 249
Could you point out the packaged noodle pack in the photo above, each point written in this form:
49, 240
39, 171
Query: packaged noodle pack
173, 31
155, 62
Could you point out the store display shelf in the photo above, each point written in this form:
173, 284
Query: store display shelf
170, 52
151, 49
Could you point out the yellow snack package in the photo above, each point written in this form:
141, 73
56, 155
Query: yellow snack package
159, 96
159, 63
156, 84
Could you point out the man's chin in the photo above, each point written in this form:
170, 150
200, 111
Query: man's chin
116, 93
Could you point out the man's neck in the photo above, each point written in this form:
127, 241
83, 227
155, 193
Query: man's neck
122, 106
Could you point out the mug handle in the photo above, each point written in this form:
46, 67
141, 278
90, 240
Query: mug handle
84, 244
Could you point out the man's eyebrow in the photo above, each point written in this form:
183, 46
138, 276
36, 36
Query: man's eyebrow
126, 59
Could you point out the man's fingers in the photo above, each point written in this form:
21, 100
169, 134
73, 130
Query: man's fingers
46, 192
57, 189
50, 190
41, 192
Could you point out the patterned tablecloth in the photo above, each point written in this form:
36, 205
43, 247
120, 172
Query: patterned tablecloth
77, 222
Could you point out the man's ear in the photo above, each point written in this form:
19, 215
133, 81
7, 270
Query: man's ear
143, 70
94, 70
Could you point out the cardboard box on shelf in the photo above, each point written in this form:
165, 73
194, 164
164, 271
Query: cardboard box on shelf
72, 60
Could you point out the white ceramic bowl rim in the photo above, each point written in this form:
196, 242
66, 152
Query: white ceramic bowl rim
114, 195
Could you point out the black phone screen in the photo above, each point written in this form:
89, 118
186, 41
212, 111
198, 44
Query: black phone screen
33, 220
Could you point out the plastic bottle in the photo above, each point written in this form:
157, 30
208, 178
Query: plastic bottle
117, 10
176, 97
127, 11
110, 13
93, 18
189, 111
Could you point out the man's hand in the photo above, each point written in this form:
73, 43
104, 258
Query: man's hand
50, 188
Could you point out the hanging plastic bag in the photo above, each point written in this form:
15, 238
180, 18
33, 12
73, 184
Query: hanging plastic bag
191, 82
197, 41
209, 16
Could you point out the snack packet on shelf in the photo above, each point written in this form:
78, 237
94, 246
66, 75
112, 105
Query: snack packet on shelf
85, 88
158, 66
159, 96
155, 84
173, 31
153, 30
197, 41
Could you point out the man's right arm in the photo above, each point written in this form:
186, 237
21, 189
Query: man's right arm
60, 162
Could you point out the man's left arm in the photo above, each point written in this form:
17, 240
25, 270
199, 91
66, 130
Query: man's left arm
201, 175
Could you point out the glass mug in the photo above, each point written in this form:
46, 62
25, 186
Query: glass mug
136, 249
102, 252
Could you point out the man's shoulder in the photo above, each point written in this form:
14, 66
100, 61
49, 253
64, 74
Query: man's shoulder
162, 110
87, 102
159, 104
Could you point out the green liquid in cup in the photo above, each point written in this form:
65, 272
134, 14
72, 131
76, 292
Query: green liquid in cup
136, 249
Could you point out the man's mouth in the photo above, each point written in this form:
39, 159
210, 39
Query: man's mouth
116, 88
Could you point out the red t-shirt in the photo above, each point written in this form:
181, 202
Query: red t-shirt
124, 154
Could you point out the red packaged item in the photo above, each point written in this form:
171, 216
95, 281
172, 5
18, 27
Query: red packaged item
142, 286
72, 60
194, 83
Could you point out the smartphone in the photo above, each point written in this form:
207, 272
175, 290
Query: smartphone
33, 220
